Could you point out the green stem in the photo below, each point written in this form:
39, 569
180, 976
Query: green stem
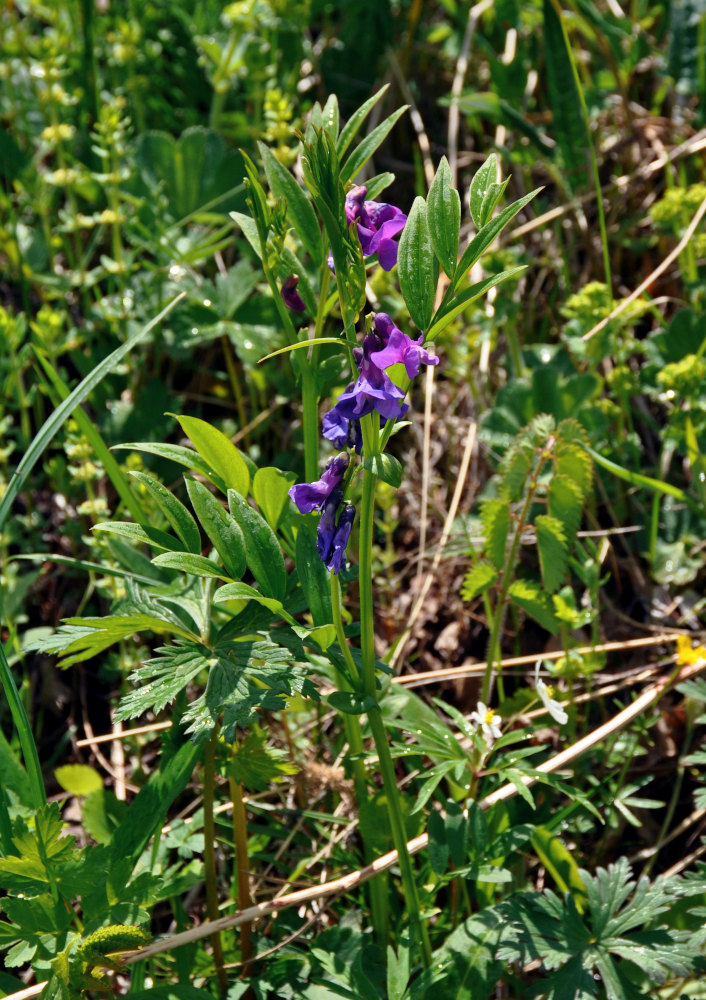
209, 855
370, 429
242, 870
24, 732
310, 422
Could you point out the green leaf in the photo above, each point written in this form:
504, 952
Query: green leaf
398, 970
495, 518
219, 452
313, 577
565, 502
249, 228
351, 702
385, 467
350, 129
560, 863
531, 599
141, 533
417, 266
78, 779
485, 236
449, 310
187, 457
102, 813
42, 853
468, 957
187, 562
270, 487
563, 84
299, 208
444, 218
175, 512
484, 180
365, 149
244, 592
222, 529
438, 848
479, 578
148, 810
553, 551
262, 550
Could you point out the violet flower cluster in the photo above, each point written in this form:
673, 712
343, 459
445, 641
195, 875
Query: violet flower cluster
372, 391
377, 222
326, 495
385, 346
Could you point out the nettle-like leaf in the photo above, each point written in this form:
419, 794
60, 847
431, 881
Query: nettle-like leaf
495, 518
532, 599
42, 853
618, 937
565, 501
479, 578
255, 765
553, 550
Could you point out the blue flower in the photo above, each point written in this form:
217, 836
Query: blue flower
336, 559
378, 222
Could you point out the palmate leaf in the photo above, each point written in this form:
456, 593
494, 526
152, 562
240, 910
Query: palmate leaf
575, 947
42, 852
79, 639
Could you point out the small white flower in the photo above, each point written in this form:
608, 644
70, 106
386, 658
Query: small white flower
488, 721
545, 693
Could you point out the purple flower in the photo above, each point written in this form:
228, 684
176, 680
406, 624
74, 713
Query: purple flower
327, 525
290, 295
378, 222
400, 348
337, 556
372, 390
341, 431
313, 496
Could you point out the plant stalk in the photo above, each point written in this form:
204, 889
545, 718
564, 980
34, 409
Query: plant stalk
209, 855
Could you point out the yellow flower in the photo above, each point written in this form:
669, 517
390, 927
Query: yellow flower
688, 654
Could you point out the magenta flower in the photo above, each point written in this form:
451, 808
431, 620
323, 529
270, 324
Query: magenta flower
290, 295
336, 557
312, 496
378, 222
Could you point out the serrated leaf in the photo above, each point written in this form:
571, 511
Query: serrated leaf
220, 526
495, 518
537, 604
255, 765
444, 217
483, 179
262, 550
219, 452
386, 467
565, 502
553, 551
365, 149
186, 562
175, 512
299, 208
417, 267
514, 471
270, 487
480, 577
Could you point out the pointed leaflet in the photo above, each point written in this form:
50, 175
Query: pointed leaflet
444, 217
222, 529
483, 187
485, 236
417, 266
262, 550
299, 209
176, 453
362, 153
138, 533
219, 452
449, 309
553, 551
565, 502
194, 565
350, 129
175, 512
